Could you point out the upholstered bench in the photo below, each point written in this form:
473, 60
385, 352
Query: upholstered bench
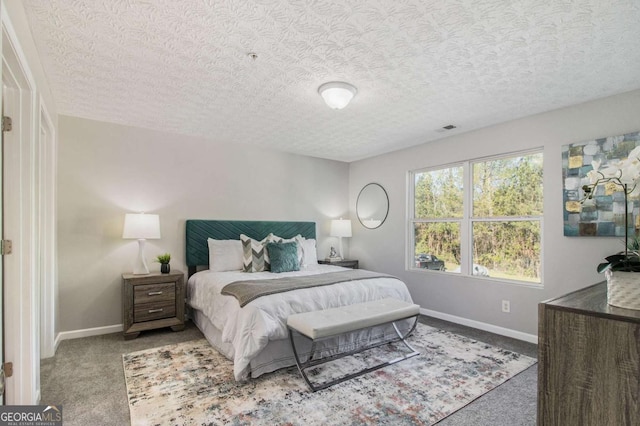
318, 325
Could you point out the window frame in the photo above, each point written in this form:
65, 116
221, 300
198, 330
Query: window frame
467, 220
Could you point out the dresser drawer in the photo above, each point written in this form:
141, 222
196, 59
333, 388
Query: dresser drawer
153, 311
154, 293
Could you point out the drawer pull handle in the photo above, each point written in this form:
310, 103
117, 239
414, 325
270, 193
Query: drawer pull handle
155, 293
153, 311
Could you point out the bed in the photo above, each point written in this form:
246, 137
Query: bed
255, 336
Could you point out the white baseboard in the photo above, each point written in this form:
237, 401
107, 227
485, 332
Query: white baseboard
56, 343
531, 338
96, 331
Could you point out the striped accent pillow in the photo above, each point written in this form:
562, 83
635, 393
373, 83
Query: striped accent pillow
254, 254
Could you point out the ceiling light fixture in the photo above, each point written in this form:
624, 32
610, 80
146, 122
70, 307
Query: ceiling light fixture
337, 94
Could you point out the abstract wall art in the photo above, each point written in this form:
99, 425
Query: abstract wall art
604, 216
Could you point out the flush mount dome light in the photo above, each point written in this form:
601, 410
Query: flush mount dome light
337, 94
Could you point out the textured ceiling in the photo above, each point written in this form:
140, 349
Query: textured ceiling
182, 66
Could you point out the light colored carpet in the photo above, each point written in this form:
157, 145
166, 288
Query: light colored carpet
190, 383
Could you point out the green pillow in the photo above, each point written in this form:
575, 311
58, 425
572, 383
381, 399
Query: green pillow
283, 257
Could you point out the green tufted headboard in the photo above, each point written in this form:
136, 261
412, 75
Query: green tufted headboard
197, 232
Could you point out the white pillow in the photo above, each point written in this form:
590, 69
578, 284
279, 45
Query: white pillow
310, 254
225, 255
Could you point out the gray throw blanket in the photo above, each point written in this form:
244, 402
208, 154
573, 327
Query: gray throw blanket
248, 290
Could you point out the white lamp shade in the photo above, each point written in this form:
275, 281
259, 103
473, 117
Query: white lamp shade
340, 228
141, 226
337, 94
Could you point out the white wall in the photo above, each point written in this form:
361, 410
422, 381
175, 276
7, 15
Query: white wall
107, 170
568, 263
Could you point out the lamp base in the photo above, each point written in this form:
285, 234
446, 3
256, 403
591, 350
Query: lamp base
140, 267
340, 253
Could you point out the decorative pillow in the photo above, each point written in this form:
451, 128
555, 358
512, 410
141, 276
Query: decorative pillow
310, 254
298, 239
283, 256
254, 254
225, 255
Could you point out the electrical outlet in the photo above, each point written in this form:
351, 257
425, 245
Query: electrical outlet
506, 306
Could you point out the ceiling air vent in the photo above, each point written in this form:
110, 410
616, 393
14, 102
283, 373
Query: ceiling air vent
445, 128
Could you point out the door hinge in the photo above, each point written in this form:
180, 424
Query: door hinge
6, 247
7, 123
8, 369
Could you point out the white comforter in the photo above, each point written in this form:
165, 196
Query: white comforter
249, 329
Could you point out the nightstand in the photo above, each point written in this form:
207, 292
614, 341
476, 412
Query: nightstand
345, 263
152, 301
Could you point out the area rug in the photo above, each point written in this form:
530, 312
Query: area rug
192, 384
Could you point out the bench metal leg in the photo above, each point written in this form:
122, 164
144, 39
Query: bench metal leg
297, 358
403, 337
302, 366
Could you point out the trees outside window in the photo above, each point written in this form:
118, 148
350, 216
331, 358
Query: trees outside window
481, 217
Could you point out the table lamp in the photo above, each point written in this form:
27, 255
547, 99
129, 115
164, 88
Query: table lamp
340, 228
142, 227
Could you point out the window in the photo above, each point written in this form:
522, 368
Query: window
481, 217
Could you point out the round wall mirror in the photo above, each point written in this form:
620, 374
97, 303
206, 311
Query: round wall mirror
372, 206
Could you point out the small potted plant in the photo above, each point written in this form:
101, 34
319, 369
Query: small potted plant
164, 259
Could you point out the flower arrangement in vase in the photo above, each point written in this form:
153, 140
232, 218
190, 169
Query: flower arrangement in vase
164, 260
623, 287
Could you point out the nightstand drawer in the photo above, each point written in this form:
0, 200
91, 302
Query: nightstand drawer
151, 301
154, 293
153, 311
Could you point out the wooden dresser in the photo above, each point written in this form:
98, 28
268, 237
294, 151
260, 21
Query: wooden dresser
152, 301
589, 361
